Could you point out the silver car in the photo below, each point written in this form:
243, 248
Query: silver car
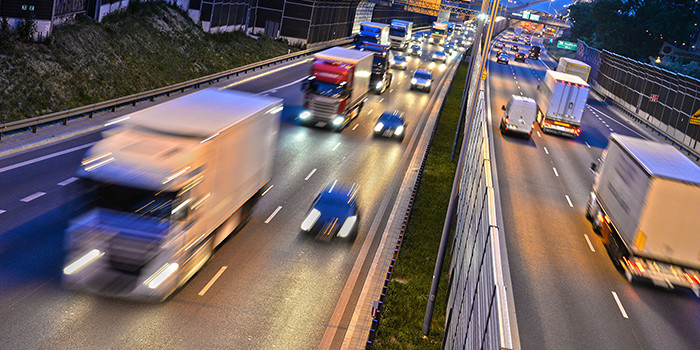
422, 80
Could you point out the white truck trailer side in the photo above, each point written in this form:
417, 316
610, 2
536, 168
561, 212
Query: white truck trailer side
644, 203
561, 100
166, 186
575, 67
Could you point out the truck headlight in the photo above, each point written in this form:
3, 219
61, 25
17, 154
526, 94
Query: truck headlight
347, 226
398, 130
304, 115
414, 81
379, 127
311, 219
379, 85
83, 261
338, 120
427, 83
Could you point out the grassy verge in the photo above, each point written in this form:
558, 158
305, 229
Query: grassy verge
556, 52
149, 45
401, 323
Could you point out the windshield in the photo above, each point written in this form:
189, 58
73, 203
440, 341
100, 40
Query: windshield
378, 61
399, 58
327, 89
134, 200
422, 75
415, 47
373, 30
438, 31
397, 31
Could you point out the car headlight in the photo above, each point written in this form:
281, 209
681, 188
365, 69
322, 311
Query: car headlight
398, 130
379, 85
414, 80
338, 120
311, 219
304, 115
427, 83
379, 127
347, 226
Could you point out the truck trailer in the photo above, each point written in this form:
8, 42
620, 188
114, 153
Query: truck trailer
575, 67
165, 187
561, 100
373, 32
336, 88
400, 33
643, 203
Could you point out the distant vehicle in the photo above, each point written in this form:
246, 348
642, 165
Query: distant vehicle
372, 32
400, 62
381, 77
168, 185
534, 52
516, 33
439, 56
449, 49
417, 38
561, 100
334, 212
422, 80
415, 50
390, 124
520, 115
337, 87
502, 57
499, 45
514, 48
400, 33
519, 56
575, 67
644, 203
438, 34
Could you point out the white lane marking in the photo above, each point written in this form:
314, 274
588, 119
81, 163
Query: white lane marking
545, 150
67, 181
2, 211
355, 127
370, 111
589, 146
48, 156
336, 146
274, 90
310, 174
555, 171
590, 245
593, 109
619, 305
391, 90
273, 214
521, 93
538, 134
381, 99
213, 279
569, 200
267, 190
32, 197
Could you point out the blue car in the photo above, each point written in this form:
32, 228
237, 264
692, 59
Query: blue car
390, 124
335, 212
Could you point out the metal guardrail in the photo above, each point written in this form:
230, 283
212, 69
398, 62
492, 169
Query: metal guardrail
88, 110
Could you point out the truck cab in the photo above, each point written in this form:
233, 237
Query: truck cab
400, 34
380, 79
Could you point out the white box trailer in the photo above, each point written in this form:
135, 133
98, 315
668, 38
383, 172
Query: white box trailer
561, 100
166, 186
644, 203
575, 67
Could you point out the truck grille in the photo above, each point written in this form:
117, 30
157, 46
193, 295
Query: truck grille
130, 254
323, 109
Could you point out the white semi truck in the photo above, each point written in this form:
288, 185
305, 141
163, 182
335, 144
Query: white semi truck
438, 33
561, 100
165, 187
644, 203
400, 33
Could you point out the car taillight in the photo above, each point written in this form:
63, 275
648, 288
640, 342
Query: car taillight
506, 120
533, 125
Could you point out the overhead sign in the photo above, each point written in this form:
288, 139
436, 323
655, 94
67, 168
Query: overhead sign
695, 118
567, 45
517, 14
535, 17
526, 14
653, 98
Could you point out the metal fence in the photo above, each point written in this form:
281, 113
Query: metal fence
477, 311
663, 100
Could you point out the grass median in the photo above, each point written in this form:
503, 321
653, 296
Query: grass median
407, 298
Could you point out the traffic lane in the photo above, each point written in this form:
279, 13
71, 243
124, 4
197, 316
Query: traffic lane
544, 258
86, 331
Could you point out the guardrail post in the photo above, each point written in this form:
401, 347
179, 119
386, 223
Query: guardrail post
34, 127
90, 114
65, 121
133, 103
114, 108
152, 98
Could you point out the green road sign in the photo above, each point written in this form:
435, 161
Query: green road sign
567, 45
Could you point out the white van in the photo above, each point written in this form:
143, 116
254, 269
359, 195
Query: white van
519, 116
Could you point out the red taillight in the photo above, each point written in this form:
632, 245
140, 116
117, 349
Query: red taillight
506, 120
607, 219
577, 131
689, 278
533, 125
639, 266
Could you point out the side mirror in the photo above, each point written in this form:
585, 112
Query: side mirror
594, 167
503, 107
538, 87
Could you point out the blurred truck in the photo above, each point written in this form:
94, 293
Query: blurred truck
644, 203
400, 33
372, 32
337, 87
438, 33
381, 63
561, 100
575, 67
167, 186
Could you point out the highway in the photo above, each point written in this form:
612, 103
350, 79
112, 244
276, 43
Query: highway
568, 294
267, 287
